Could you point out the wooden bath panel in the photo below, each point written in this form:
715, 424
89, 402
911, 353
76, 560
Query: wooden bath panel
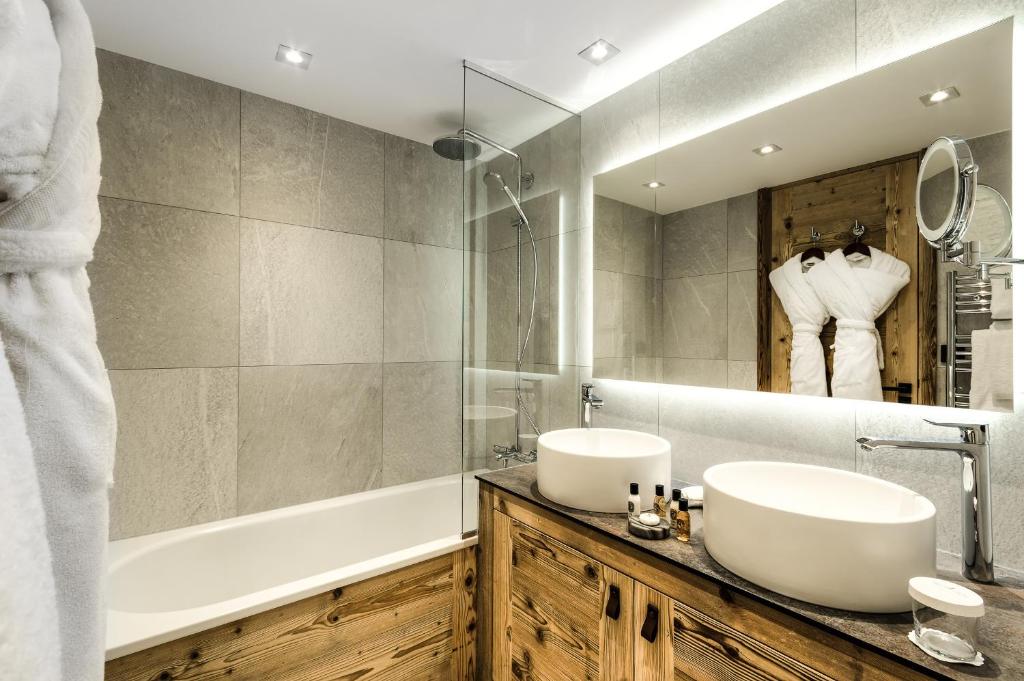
415, 623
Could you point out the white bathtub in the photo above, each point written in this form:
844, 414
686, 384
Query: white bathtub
167, 585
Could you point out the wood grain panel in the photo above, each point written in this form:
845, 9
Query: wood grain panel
828, 654
704, 649
501, 597
485, 583
464, 615
653, 659
396, 626
556, 609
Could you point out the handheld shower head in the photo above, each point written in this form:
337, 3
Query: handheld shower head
495, 179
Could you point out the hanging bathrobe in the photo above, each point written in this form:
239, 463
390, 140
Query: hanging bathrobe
55, 399
807, 314
857, 291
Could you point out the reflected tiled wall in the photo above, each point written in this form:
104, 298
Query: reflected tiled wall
675, 296
824, 41
277, 296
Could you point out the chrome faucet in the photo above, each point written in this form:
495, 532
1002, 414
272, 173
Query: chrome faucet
976, 500
589, 403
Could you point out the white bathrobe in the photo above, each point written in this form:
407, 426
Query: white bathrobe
53, 385
856, 293
807, 314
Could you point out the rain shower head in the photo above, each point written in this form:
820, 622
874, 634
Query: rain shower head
457, 148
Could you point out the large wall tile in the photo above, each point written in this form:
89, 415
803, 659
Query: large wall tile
641, 316
422, 421
608, 247
167, 137
422, 303
641, 242
608, 322
307, 433
309, 296
695, 320
695, 241
501, 302
423, 195
176, 444
887, 31
352, 188
797, 47
702, 424
742, 232
165, 287
742, 315
282, 157
305, 168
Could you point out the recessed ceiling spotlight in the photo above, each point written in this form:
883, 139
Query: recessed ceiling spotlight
293, 57
767, 149
939, 96
654, 184
598, 52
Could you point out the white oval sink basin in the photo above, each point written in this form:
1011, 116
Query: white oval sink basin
821, 535
590, 469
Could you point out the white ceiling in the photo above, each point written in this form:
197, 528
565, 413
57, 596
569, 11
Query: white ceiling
396, 66
864, 119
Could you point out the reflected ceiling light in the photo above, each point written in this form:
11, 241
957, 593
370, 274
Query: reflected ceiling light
654, 184
939, 96
293, 57
598, 52
767, 149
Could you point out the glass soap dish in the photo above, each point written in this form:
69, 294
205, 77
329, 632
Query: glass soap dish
946, 619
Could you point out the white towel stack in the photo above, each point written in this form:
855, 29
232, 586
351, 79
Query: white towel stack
992, 368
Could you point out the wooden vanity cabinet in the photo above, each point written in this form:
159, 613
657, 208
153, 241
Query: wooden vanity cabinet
561, 602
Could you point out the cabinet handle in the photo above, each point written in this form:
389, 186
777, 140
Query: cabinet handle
650, 628
612, 609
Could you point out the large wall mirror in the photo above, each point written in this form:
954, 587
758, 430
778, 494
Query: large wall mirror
851, 243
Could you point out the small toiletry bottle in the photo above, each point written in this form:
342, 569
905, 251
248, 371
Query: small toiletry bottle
683, 521
660, 505
673, 508
633, 500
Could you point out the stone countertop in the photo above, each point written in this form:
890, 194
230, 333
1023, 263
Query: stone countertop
1001, 632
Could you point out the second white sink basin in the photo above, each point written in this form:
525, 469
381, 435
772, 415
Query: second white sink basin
590, 469
821, 535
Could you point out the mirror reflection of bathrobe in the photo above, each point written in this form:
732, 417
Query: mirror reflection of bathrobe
857, 291
807, 314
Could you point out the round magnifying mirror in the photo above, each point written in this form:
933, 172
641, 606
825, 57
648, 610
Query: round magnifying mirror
945, 192
991, 224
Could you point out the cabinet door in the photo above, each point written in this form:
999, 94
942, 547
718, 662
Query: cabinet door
559, 615
677, 642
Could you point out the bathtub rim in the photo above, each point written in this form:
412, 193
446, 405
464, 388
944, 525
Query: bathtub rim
130, 632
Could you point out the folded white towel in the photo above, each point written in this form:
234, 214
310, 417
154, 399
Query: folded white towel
992, 369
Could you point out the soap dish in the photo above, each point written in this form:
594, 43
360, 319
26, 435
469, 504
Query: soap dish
660, 531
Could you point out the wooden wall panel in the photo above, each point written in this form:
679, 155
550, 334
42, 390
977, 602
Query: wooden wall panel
409, 624
882, 197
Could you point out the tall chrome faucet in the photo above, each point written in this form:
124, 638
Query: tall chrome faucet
976, 500
589, 403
